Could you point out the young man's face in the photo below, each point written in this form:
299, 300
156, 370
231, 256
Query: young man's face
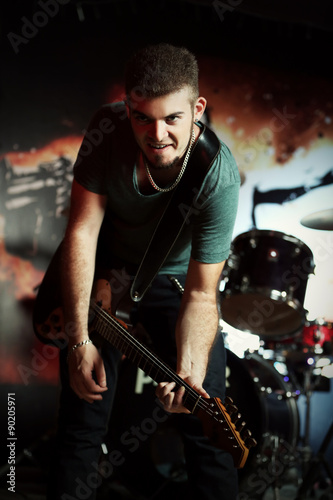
162, 126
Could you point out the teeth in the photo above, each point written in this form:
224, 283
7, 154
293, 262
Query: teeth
159, 147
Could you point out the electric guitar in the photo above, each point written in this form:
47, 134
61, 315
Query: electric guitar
222, 423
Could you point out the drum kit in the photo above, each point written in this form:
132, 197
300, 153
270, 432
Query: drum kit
262, 291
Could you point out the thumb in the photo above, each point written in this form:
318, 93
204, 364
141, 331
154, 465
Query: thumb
100, 373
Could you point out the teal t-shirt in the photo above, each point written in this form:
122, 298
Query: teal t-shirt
106, 164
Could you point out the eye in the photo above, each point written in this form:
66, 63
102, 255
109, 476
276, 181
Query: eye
141, 118
172, 118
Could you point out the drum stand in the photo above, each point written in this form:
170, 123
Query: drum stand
313, 469
312, 466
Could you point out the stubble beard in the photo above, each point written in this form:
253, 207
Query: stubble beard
159, 164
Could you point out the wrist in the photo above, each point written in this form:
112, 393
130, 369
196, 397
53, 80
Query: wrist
73, 348
76, 340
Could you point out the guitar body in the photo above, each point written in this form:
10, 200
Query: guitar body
222, 423
48, 319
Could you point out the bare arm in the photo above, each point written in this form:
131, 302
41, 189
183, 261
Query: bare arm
195, 332
78, 265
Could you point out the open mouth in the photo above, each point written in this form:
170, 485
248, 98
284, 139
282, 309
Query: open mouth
158, 146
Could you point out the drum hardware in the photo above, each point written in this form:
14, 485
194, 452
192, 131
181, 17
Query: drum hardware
272, 255
272, 372
306, 361
268, 402
313, 469
312, 464
244, 284
310, 349
253, 243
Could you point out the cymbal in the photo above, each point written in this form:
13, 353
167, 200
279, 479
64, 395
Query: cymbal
319, 220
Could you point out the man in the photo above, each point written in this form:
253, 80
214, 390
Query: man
130, 162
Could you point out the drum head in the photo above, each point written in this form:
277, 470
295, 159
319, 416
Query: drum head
262, 315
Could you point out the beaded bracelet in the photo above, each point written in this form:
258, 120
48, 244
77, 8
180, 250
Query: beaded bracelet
80, 344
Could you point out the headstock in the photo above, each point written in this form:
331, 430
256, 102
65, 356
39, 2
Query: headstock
223, 425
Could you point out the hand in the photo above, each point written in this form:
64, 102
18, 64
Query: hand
81, 364
173, 401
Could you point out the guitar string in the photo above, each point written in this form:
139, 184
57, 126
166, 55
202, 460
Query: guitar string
131, 340
127, 337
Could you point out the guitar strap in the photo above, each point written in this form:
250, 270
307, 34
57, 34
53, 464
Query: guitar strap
182, 203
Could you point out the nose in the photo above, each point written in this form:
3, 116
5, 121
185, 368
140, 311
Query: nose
158, 131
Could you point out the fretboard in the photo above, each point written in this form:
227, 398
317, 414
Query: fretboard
111, 330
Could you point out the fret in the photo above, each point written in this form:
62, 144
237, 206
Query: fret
132, 355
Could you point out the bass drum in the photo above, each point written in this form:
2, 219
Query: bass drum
265, 281
270, 411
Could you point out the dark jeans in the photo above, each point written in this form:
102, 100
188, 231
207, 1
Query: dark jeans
82, 427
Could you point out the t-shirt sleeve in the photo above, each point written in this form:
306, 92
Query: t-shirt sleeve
92, 159
214, 216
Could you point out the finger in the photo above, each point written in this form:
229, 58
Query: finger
178, 399
90, 386
168, 401
200, 390
160, 387
90, 397
100, 374
86, 388
174, 400
164, 388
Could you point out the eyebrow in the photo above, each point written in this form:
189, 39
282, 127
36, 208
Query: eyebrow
138, 113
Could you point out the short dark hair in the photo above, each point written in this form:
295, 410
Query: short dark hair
161, 69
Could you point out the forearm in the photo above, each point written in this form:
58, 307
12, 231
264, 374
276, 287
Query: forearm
78, 264
195, 334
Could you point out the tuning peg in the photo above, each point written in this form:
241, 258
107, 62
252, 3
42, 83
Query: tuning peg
231, 409
230, 406
235, 417
246, 434
240, 425
250, 442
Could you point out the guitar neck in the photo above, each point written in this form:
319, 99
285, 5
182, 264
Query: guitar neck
111, 330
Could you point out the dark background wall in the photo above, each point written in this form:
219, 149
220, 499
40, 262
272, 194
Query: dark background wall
266, 70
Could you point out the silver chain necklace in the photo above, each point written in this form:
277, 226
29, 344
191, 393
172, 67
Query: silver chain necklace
179, 176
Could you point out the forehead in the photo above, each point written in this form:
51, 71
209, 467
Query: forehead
159, 107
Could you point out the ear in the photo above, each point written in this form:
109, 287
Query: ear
199, 108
